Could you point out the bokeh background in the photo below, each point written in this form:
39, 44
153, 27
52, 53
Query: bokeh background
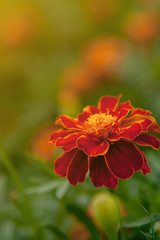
55, 58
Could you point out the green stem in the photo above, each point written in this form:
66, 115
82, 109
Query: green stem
12, 171
123, 234
112, 236
19, 185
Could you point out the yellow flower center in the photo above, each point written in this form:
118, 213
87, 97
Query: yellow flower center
98, 122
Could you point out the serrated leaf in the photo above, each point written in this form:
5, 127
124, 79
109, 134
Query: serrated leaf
60, 235
137, 223
82, 217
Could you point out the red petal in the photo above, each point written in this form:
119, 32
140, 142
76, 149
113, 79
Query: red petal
91, 145
123, 158
144, 121
145, 169
154, 128
140, 111
100, 174
91, 109
87, 111
125, 105
124, 109
68, 122
58, 134
147, 140
68, 142
131, 132
78, 168
108, 102
145, 124
83, 116
61, 163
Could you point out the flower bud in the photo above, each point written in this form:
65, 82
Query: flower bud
107, 213
157, 228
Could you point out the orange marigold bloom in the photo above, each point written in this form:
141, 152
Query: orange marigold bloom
142, 27
105, 55
19, 26
39, 145
104, 141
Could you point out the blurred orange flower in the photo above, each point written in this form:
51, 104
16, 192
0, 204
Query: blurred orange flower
100, 62
142, 27
105, 55
79, 232
78, 79
19, 26
40, 146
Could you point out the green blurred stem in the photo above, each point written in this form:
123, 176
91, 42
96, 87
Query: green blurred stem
19, 185
123, 234
112, 236
11, 169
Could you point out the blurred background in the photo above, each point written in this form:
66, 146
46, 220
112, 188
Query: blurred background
55, 58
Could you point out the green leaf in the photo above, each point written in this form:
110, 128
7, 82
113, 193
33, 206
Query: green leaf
155, 216
43, 188
148, 236
62, 189
60, 235
82, 217
137, 223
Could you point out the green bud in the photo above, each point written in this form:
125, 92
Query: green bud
107, 213
157, 228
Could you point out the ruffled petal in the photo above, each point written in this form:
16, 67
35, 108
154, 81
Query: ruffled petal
68, 142
61, 164
87, 111
147, 140
123, 159
78, 168
100, 174
126, 105
131, 131
145, 169
108, 102
140, 111
91, 109
83, 116
144, 121
154, 128
59, 134
91, 145
124, 109
68, 122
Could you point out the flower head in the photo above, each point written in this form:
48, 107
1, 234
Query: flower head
142, 27
104, 141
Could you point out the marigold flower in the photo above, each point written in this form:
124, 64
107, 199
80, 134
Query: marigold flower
39, 145
19, 26
104, 141
142, 27
105, 55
